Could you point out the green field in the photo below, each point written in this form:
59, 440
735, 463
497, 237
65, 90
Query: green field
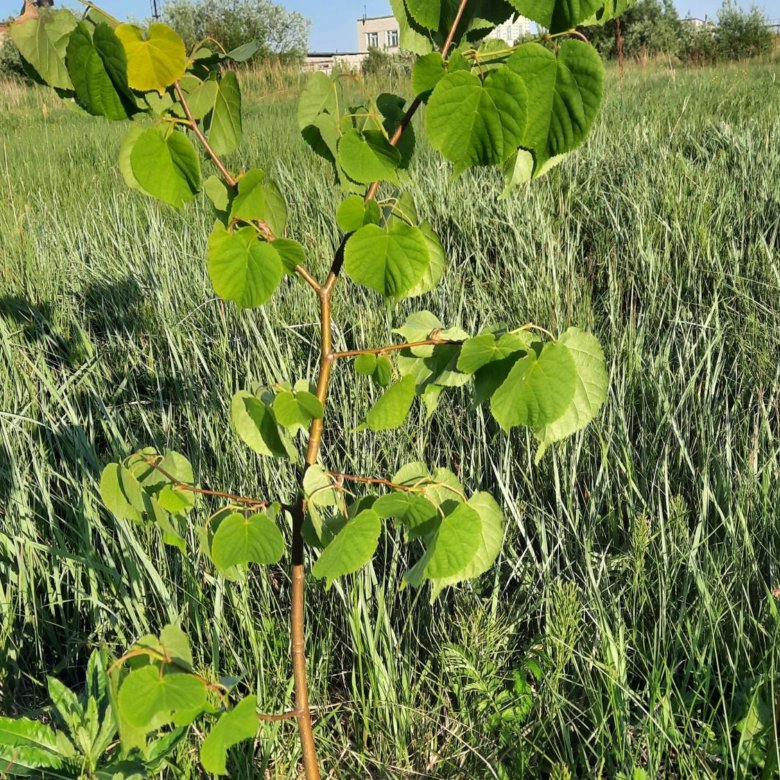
640, 557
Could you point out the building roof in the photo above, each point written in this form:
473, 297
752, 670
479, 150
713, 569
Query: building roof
374, 18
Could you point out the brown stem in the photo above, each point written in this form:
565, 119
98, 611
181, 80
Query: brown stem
205, 492
392, 348
273, 718
327, 358
372, 481
230, 180
445, 50
417, 102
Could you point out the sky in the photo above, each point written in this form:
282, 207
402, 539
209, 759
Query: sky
333, 21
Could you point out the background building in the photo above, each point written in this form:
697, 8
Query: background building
378, 32
512, 29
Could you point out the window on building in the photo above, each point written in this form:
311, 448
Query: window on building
392, 39
372, 40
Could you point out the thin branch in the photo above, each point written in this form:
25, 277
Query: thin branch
451, 37
204, 492
289, 715
308, 278
230, 180
417, 102
578, 34
372, 481
392, 348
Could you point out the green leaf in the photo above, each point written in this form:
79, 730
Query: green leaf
255, 424
290, 252
564, 96
425, 12
217, 192
242, 540
556, 15
492, 537
418, 327
201, 95
43, 41
486, 348
275, 209
176, 645
441, 488
225, 130
474, 122
318, 487
436, 265
537, 390
244, 52
114, 495
456, 543
417, 514
413, 38
393, 407
393, 110
383, 372
166, 165
153, 63
590, 390
296, 410
29, 745
490, 377
365, 365
453, 547
609, 11
66, 703
428, 71
368, 157
354, 212
243, 269
389, 261
318, 114
260, 200
249, 203
148, 696
351, 549
320, 95
98, 69
233, 727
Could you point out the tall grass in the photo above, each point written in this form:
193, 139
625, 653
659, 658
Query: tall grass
640, 558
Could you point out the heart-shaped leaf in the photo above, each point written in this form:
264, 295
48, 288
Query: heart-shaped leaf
98, 69
241, 540
155, 62
391, 261
148, 695
243, 268
476, 122
538, 388
165, 165
564, 96
233, 727
351, 549
43, 40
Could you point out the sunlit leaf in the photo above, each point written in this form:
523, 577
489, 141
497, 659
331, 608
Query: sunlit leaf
351, 549
154, 62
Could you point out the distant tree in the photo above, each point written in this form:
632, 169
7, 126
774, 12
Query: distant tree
278, 32
649, 27
741, 34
